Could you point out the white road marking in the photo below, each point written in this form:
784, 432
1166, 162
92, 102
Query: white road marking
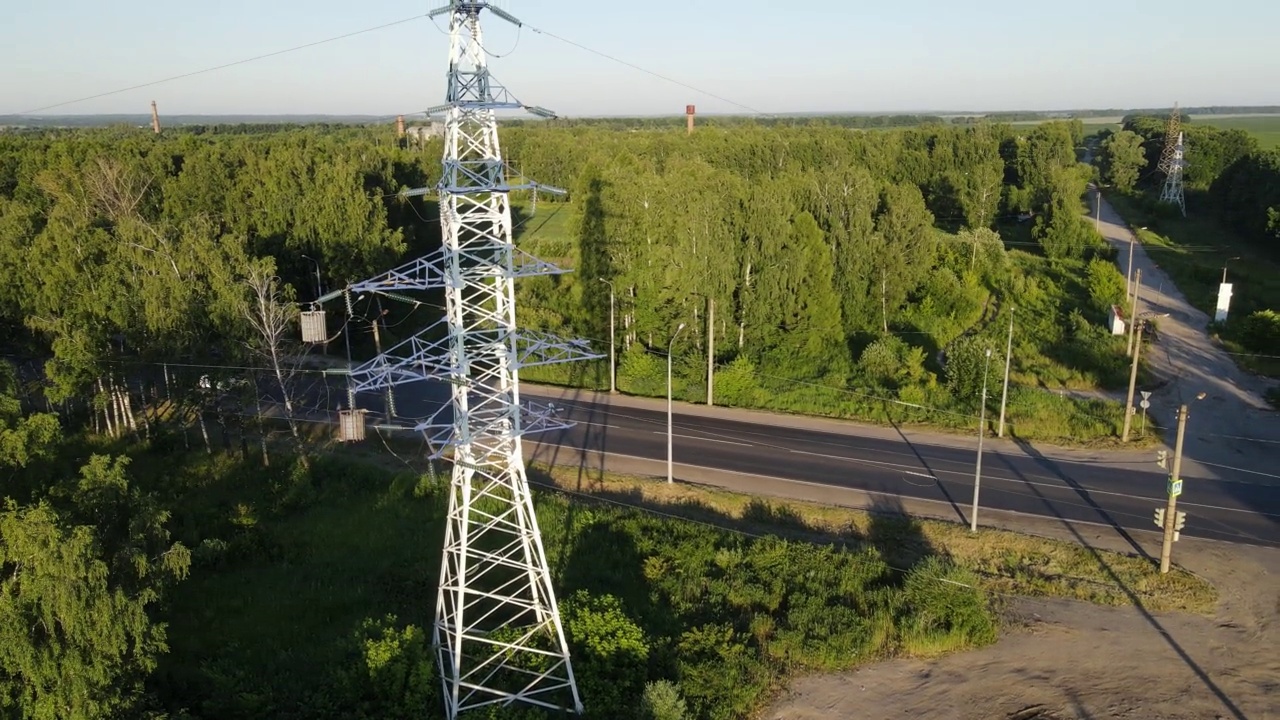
693, 437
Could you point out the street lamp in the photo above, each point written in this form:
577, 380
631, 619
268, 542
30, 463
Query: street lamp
319, 287
670, 349
612, 355
982, 430
1224, 268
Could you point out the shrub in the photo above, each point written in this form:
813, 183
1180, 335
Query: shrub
943, 610
1105, 283
611, 652
1261, 332
642, 373
736, 383
891, 362
662, 701
398, 672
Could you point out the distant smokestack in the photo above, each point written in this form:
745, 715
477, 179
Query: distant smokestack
399, 126
155, 118
688, 115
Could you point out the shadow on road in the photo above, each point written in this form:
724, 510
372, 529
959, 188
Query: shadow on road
1052, 467
923, 463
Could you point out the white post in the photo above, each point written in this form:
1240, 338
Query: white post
1008, 357
670, 348
982, 430
613, 374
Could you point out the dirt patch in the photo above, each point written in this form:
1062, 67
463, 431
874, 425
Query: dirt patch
1066, 660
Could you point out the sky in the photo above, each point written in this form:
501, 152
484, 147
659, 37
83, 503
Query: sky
841, 56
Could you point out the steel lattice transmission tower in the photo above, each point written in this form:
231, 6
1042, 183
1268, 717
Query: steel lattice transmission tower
498, 635
1172, 163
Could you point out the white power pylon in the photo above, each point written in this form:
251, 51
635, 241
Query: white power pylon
498, 635
1172, 163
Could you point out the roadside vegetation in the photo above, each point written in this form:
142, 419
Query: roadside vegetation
1232, 226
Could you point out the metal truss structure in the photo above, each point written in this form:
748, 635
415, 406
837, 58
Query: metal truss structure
1172, 163
498, 635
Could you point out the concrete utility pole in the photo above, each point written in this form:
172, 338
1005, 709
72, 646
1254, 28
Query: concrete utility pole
1133, 310
613, 374
670, 349
1133, 381
155, 118
1097, 208
1008, 357
1175, 489
982, 430
711, 350
1128, 270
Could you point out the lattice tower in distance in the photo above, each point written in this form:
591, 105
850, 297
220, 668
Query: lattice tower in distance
1172, 163
498, 635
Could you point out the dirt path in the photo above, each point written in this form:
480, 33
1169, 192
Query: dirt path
1232, 427
1064, 660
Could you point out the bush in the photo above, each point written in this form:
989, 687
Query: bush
1106, 285
611, 652
736, 384
397, 672
662, 701
641, 372
891, 362
1261, 332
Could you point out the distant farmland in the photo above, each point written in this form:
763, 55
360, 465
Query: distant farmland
1264, 127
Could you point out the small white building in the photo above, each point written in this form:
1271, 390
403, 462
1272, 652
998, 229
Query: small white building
1116, 320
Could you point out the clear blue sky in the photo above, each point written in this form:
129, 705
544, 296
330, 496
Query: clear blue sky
838, 56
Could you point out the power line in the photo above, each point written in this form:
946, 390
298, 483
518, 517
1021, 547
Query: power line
660, 76
226, 65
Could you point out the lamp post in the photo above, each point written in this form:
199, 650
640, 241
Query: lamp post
612, 355
1224, 268
982, 430
319, 287
670, 349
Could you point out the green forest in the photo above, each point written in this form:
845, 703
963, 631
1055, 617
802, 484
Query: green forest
164, 556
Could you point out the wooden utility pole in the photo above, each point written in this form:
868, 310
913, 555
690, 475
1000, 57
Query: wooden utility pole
688, 117
711, 349
1133, 380
155, 118
1133, 309
1175, 489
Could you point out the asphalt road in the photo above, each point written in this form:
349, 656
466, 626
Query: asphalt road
1123, 497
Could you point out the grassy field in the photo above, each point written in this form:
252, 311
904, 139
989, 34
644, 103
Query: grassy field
1264, 127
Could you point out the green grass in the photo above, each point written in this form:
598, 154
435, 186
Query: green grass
1266, 128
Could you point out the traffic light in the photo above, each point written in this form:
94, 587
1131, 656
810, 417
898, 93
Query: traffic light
1159, 517
1179, 520
1162, 458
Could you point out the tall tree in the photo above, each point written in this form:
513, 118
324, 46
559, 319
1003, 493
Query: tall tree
1122, 159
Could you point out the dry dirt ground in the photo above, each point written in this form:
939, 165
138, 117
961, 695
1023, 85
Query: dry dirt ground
1064, 660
